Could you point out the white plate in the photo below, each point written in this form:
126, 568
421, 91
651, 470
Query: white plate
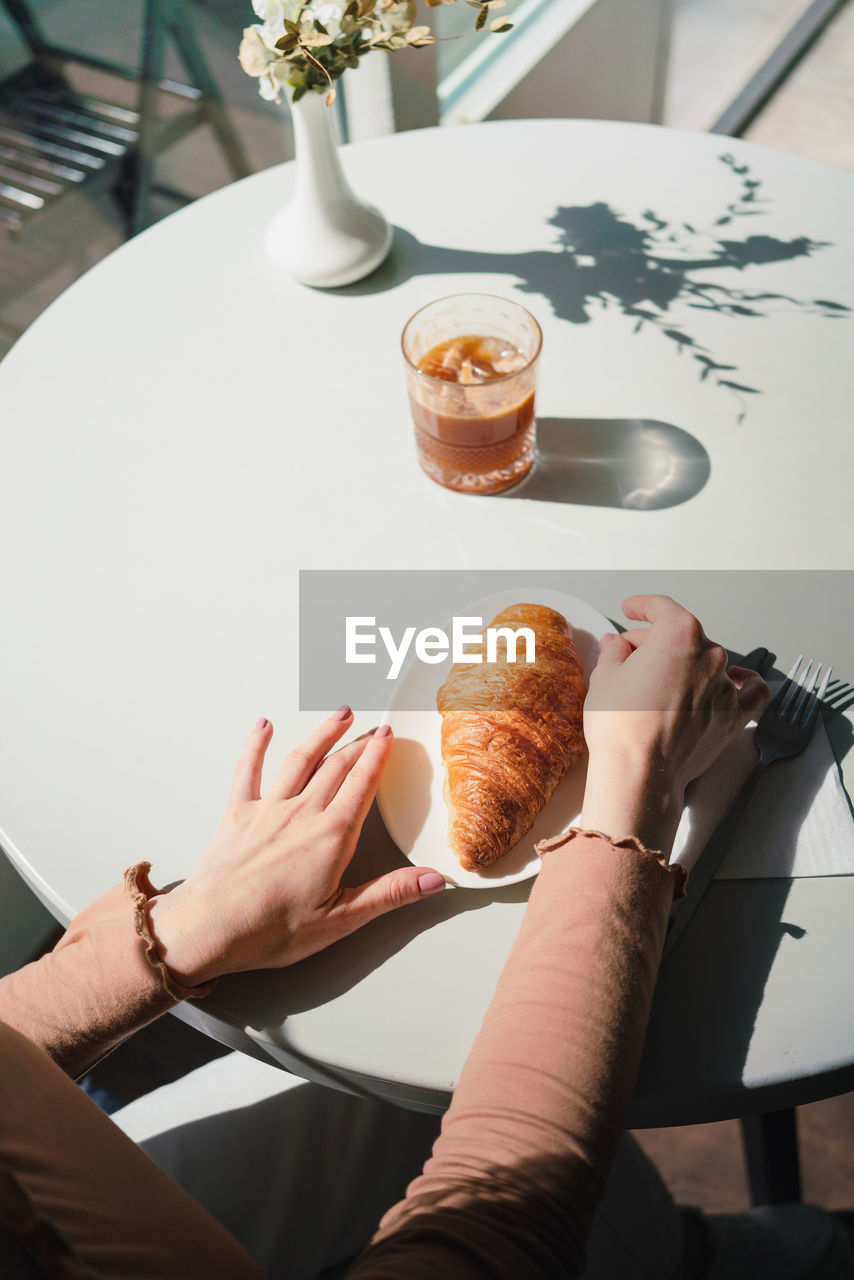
410, 793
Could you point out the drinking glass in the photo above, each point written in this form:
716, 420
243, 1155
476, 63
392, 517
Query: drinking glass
471, 370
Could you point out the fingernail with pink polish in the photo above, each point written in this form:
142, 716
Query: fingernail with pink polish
382, 731
606, 639
430, 882
343, 713
262, 724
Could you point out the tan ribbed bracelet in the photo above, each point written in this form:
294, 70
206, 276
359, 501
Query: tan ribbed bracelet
140, 889
625, 842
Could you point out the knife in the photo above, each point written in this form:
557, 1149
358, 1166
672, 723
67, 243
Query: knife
721, 838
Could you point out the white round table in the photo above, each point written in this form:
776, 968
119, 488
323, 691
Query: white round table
185, 429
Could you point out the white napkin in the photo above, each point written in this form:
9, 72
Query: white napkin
798, 821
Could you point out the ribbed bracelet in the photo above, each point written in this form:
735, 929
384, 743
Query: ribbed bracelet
680, 875
141, 890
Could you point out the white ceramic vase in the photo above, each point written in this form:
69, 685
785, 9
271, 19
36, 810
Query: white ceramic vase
325, 236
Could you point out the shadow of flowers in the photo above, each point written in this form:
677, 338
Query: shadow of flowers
645, 269
605, 260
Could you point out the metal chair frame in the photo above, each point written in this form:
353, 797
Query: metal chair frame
54, 140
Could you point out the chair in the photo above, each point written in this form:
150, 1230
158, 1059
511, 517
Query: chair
55, 139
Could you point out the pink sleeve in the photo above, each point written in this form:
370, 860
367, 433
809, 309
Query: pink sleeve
102, 981
527, 1143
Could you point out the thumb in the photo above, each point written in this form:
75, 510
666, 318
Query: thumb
753, 692
356, 907
613, 651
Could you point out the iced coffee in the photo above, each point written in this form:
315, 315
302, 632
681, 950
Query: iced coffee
471, 373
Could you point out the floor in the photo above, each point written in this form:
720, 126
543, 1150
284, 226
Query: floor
702, 1164
717, 45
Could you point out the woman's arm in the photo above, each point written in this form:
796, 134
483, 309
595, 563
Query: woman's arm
266, 893
102, 981
526, 1146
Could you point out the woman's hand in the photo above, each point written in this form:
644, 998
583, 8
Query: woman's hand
267, 890
662, 706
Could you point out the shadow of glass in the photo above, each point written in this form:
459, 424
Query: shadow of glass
633, 463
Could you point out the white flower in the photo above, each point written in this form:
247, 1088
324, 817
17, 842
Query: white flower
299, 43
396, 21
255, 55
272, 14
328, 15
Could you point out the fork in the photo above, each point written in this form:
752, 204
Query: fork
783, 731
787, 723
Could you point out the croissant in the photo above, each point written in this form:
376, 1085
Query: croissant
510, 732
